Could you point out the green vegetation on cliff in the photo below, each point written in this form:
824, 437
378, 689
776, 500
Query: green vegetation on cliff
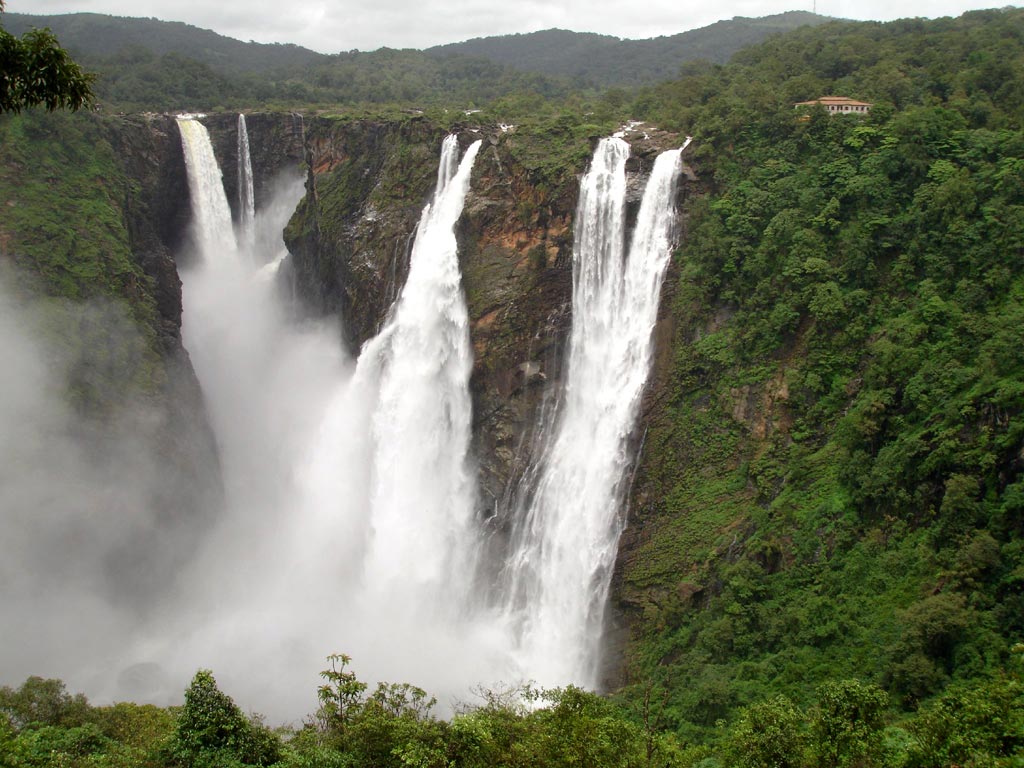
833, 477
63, 196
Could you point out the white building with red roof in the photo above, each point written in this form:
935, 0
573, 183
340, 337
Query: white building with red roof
838, 105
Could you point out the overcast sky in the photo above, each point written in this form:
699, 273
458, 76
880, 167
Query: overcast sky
330, 26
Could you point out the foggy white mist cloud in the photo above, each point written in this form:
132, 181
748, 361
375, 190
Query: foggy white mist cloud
76, 496
330, 27
281, 583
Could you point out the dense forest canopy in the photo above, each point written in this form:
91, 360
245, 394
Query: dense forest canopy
836, 474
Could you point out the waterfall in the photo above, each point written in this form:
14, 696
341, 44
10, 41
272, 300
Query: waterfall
350, 494
389, 484
210, 210
251, 591
566, 536
422, 494
246, 195
349, 484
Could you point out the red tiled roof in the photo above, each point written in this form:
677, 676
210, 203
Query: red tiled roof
838, 101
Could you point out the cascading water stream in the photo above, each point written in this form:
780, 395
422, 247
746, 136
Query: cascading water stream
422, 495
213, 230
358, 505
246, 192
566, 538
389, 482
265, 382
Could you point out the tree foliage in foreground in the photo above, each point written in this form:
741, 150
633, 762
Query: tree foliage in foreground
35, 70
849, 726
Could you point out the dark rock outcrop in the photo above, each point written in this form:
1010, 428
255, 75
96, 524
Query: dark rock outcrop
156, 210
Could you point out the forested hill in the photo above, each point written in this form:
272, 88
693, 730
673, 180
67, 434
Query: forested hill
147, 64
603, 60
94, 36
833, 482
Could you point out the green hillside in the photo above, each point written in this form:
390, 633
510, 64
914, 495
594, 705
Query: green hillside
833, 482
94, 36
603, 61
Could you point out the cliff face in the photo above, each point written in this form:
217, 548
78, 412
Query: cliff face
156, 210
350, 241
350, 238
96, 209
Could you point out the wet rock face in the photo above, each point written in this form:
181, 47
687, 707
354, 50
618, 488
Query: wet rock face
367, 182
157, 215
516, 252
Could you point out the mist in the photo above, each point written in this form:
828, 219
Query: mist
87, 544
345, 518
245, 606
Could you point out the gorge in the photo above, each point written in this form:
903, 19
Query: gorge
353, 477
381, 476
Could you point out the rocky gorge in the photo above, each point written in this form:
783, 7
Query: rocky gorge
349, 243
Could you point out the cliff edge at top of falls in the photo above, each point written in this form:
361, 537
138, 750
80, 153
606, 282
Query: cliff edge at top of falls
350, 242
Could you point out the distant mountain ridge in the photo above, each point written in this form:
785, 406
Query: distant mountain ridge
593, 59
604, 60
91, 36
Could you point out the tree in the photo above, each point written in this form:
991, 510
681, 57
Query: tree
43, 702
340, 697
769, 734
212, 730
35, 70
847, 724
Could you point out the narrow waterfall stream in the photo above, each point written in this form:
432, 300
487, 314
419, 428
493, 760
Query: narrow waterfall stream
391, 469
246, 192
210, 209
